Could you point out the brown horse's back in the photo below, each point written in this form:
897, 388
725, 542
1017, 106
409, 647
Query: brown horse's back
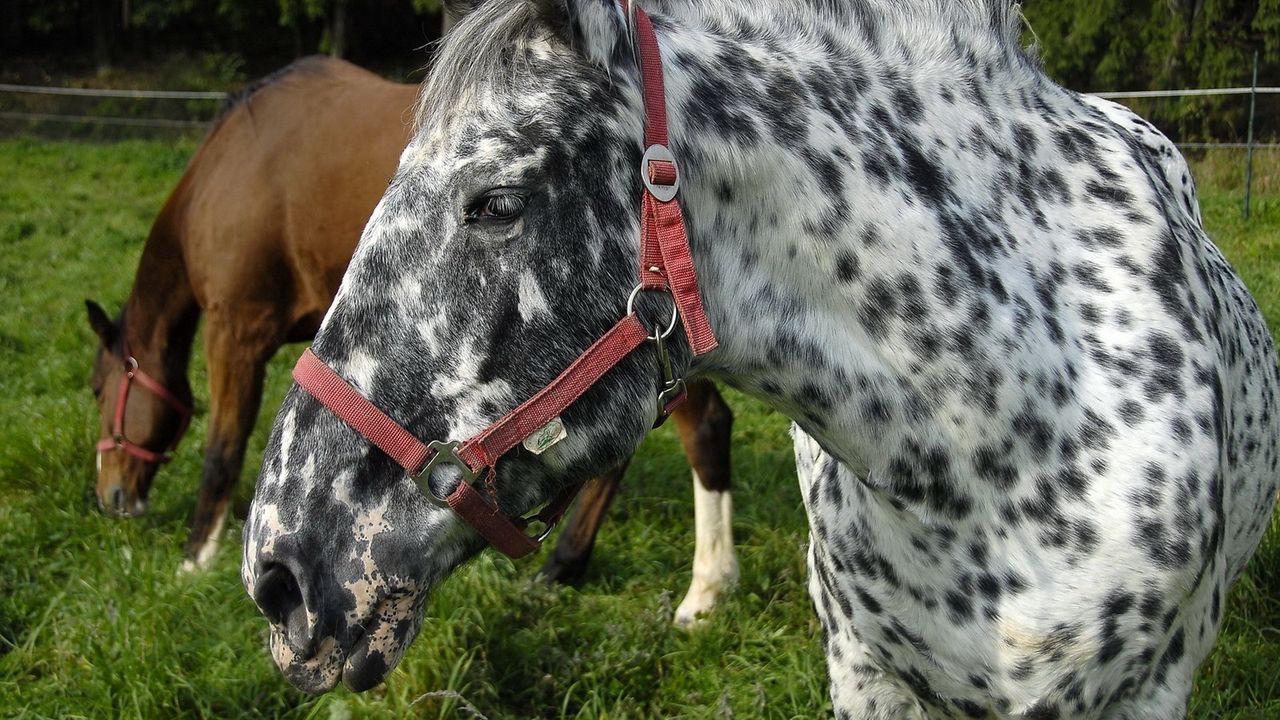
275, 199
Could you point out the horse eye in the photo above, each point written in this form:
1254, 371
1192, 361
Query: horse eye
498, 206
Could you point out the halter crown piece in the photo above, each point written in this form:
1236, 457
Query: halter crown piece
666, 266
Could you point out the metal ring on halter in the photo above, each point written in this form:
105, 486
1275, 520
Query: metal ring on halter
659, 153
547, 527
675, 312
443, 452
130, 365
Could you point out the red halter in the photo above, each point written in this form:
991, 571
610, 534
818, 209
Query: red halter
117, 441
666, 265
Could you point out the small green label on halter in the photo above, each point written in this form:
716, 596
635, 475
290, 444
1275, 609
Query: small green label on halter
545, 436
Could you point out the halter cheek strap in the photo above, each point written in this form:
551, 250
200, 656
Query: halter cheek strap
117, 440
665, 261
666, 265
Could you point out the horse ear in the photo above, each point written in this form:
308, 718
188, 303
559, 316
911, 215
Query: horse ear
455, 10
597, 28
101, 324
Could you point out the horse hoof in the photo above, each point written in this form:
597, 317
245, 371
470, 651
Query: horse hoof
686, 620
559, 571
196, 565
694, 610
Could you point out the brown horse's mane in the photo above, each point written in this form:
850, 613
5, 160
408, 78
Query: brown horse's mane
311, 64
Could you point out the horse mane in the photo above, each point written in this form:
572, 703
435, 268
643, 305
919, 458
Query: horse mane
1003, 18
491, 41
311, 64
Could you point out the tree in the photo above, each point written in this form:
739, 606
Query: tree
1094, 45
334, 16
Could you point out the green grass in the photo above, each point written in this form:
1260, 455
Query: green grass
94, 622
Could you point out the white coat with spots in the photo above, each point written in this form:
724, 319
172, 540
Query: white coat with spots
1034, 406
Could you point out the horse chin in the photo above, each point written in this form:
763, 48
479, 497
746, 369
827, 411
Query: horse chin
376, 651
137, 507
317, 674
388, 632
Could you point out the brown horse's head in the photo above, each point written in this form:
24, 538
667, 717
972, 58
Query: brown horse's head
134, 440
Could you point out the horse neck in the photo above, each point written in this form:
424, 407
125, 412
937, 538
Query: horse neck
795, 236
160, 315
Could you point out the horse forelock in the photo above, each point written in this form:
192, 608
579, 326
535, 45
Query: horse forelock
489, 46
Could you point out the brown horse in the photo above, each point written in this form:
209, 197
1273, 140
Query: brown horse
256, 236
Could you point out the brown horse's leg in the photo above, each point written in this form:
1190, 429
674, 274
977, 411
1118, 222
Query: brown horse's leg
705, 424
569, 561
705, 431
236, 370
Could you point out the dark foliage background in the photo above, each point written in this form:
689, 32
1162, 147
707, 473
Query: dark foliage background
1099, 45
1088, 45
258, 34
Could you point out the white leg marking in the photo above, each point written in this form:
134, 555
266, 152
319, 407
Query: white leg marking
204, 557
715, 566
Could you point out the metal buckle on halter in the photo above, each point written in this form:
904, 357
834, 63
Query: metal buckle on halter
672, 389
447, 453
659, 153
443, 452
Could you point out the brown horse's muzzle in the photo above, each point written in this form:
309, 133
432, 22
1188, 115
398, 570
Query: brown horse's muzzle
123, 484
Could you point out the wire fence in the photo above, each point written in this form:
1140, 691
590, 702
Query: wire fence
98, 92
211, 95
105, 109
104, 113
1200, 92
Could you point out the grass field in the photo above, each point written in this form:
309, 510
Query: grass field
94, 623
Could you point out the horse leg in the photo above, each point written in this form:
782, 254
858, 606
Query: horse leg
237, 365
568, 563
705, 425
704, 422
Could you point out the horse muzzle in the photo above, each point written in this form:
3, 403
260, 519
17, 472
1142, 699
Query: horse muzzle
312, 641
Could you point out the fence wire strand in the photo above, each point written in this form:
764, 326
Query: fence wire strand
35, 117
105, 92
102, 120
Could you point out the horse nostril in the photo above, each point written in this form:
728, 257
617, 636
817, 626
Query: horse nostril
279, 596
117, 499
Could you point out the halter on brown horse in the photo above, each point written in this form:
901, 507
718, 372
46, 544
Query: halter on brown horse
256, 237
118, 439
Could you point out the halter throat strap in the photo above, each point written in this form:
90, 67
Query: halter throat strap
666, 266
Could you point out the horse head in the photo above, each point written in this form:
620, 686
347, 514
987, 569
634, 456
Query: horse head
141, 420
505, 245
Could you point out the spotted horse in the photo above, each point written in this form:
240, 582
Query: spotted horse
1034, 406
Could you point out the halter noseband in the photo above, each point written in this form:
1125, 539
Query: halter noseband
666, 266
117, 440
